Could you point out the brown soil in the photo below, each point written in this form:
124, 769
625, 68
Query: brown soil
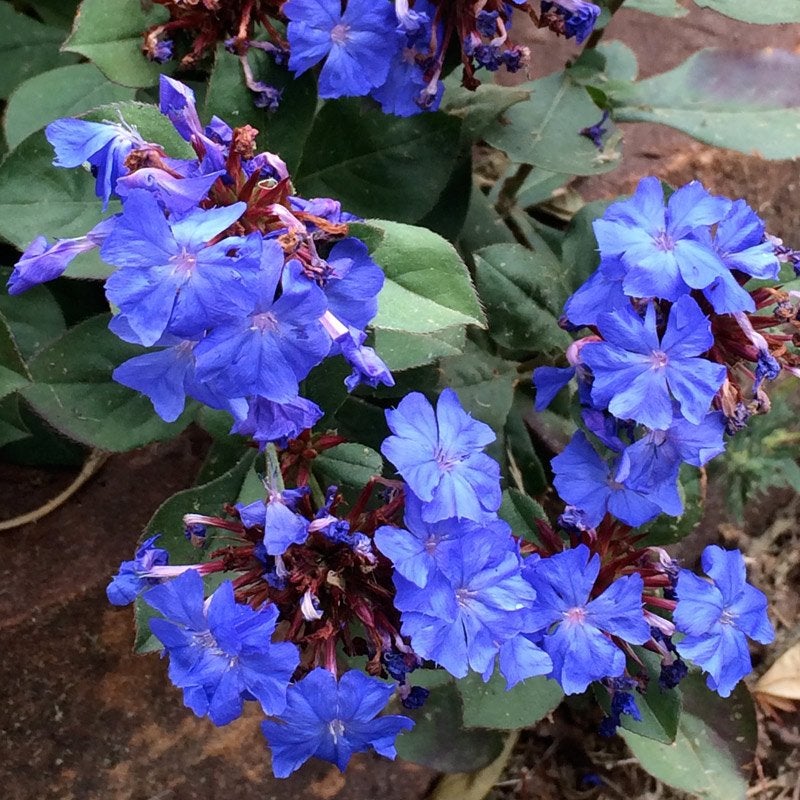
84, 719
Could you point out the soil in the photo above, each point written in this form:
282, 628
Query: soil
84, 719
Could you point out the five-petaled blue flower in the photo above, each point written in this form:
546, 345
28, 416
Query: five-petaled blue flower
718, 616
221, 652
637, 375
440, 457
576, 628
132, 578
333, 720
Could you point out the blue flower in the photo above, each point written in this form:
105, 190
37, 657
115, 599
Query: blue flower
417, 550
353, 43
176, 101
658, 247
622, 702
717, 617
577, 628
549, 381
221, 652
282, 527
105, 146
576, 17
332, 720
602, 292
636, 375
367, 366
476, 601
176, 195
583, 479
440, 457
268, 421
132, 578
42, 262
172, 280
274, 345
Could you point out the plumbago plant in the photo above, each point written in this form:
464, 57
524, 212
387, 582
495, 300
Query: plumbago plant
294, 243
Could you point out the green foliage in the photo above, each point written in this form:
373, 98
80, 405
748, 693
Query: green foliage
714, 739
490, 705
27, 47
63, 92
427, 286
524, 293
439, 739
73, 390
520, 511
545, 130
378, 165
743, 101
772, 13
347, 465
761, 456
109, 34
12, 426
661, 8
13, 372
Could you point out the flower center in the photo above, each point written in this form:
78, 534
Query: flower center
727, 617
336, 727
576, 615
463, 596
265, 321
339, 33
445, 461
659, 359
185, 261
663, 241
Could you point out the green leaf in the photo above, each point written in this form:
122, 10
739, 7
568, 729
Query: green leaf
73, 390
56, 12
489, 705
376, 164
743, 101
538, 186
427, 286
168, 521
63, 92
13, 372
483, 225
715, 738
479, 108
660, 710
524, 293
12, 427
661, 8
579, 249
26, 48
774, 12
438, 739
34, 317
348, 464
110, 34
525, 470
408, 350
484, 384
520, 511
545, 130
283, 131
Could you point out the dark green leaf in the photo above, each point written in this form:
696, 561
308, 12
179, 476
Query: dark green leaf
283, 131
379, 165
545, 130
63, 92
13, 372
73, 390
483, 225
744, 101
715, 738
168, 521
660, 710
523, 292
427, 286
348, 464
579, 248
26, 48
34, 317
774, 12
524, 467
110, 34
12, 427
520, 511
438, 739
489, 705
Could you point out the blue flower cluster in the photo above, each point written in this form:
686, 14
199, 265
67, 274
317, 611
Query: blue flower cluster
240, 287
660, 376
392, 51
